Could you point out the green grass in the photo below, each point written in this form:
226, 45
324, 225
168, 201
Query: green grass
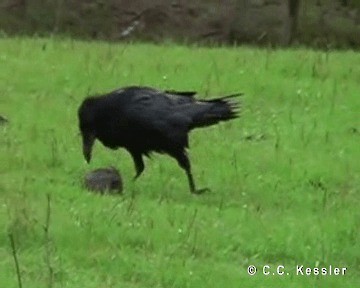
285, 177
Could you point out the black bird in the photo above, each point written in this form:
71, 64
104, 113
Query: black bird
143, 120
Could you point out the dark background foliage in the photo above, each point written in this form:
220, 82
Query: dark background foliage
320, 23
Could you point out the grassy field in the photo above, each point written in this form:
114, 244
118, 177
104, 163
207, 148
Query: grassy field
284, 177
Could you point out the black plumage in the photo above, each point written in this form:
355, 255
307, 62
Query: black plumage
143, 120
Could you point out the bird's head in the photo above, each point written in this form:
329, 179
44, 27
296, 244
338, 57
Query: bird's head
87, 128
88, 140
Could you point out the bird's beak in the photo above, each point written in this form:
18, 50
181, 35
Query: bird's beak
88, 142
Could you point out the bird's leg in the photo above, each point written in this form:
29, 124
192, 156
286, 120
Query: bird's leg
139, 164
184, 163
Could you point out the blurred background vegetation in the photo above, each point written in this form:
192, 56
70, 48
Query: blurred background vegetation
319, 23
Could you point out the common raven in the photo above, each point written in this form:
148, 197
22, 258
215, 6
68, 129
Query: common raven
143, 119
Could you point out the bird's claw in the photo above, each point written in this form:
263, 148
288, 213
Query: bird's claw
200, 191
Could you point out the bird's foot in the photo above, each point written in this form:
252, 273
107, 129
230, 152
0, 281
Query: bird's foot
200, 191
136, 176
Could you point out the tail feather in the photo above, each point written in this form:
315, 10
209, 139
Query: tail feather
212, 111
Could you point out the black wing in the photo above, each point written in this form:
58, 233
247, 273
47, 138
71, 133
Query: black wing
181, 93
156, 112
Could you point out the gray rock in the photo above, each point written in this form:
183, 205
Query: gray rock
104, 181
